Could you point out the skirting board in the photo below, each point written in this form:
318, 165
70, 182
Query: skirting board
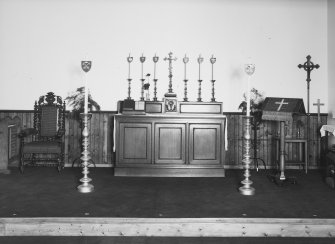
168, 227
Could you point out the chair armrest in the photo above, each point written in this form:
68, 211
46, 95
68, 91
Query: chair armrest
27, 132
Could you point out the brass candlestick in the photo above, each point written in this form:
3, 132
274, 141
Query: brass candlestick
200, 60
213, 60
246, 189
142, 59
185, 60
85, 187
155, 59
129, 59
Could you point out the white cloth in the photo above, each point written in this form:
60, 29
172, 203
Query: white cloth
328, 128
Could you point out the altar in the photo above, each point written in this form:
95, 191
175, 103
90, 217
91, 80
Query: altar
173, 145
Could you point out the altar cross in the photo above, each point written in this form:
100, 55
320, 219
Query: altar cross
170, 59
318, 104
281, 103
308, 67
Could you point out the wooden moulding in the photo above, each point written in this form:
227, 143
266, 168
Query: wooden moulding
168, 227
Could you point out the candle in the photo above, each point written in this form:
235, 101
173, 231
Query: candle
249, 69
129, 59
155, 59
142, 59
185, 60
248, 96
86, 66
200, 59
213, 60
86, 96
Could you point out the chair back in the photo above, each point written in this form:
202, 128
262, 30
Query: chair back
49, 116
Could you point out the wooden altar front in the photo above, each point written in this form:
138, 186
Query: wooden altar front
170, 144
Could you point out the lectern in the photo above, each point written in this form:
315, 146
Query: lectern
282, 110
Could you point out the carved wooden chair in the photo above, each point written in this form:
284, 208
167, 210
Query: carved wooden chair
43, 145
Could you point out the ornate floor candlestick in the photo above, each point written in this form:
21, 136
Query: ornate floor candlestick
170, 92
200, 60
142, 59
213, 60
85, 187
129, 59
246, 189
185, 60
155, 59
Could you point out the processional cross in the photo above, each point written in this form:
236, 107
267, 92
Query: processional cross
308, 67
170, 59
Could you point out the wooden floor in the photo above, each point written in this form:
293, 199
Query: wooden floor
42, 202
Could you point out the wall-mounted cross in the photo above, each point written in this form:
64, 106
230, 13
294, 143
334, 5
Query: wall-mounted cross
308, 67
281, 103
318, 104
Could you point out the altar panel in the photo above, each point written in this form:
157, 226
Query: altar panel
135, 143
170, 143
205, 143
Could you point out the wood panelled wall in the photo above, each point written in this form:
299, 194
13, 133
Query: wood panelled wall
101, 129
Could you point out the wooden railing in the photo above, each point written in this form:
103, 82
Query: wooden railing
101, 128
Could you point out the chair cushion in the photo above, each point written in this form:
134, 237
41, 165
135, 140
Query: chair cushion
42, 147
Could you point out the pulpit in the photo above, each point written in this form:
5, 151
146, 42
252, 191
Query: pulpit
9, 142
282, 110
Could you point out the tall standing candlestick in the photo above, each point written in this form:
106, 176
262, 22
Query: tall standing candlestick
85, 187
246, 189
200, 60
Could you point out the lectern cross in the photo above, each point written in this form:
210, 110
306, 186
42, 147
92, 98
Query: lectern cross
170, 59
281, 103
308, 67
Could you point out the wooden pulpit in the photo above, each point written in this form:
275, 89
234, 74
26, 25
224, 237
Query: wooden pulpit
9, 142
282, 110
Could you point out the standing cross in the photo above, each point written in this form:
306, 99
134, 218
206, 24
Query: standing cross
319, 105
308, 67
280, 104
170, 59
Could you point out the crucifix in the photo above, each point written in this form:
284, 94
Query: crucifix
318, 104
281, 103
170, 92
308, 67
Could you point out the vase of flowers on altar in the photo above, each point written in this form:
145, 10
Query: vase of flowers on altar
146, 88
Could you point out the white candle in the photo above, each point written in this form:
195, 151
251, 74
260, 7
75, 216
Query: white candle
86, 95
248, 96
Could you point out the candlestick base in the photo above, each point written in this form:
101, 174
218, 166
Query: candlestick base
85, 188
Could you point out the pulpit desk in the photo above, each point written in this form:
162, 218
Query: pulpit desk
173, 145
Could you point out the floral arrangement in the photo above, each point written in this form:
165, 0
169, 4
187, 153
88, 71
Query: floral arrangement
256, 104
76, 101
